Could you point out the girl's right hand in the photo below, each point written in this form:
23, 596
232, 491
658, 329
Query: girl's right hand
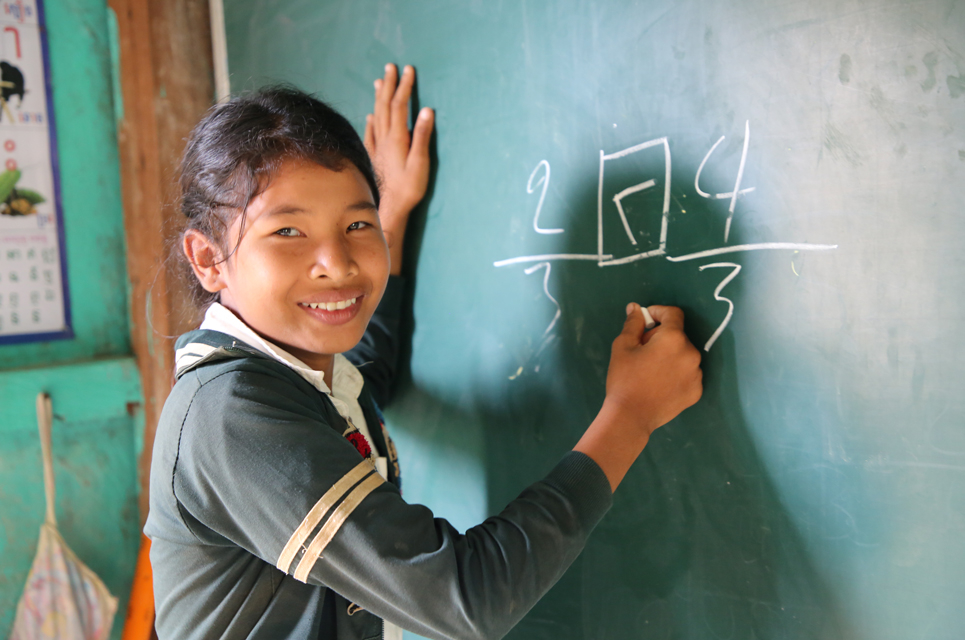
653, 376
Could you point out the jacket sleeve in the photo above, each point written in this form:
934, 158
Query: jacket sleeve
258, 469
377, 354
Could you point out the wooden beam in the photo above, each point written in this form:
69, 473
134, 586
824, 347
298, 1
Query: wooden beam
167, 84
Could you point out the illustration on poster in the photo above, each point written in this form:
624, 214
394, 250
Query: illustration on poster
11, 84
14, 200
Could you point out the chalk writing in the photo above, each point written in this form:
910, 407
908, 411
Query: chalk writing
661, 248
530, 187
738, 248
603, 259
723, 283
737, 186
546, 282
618, 201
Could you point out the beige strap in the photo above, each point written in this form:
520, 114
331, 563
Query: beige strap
324, 504
333, 524
45, 416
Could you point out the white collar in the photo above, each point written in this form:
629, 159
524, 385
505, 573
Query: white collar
346, 379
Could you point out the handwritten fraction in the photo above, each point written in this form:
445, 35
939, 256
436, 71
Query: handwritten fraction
540, 179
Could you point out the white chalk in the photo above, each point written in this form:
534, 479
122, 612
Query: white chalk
651, 323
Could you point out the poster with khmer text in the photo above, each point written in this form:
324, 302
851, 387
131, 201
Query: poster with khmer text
33, 292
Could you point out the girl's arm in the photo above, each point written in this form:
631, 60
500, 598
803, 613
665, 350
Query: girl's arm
653, 376
401, 158
249, 455
401, 161
252, 458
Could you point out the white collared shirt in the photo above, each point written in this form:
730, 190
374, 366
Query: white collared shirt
346, 379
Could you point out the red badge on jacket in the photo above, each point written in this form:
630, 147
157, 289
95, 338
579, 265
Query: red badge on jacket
360, 443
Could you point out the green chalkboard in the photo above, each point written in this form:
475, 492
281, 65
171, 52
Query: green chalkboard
818, 488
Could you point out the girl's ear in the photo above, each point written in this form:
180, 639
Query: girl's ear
205, 258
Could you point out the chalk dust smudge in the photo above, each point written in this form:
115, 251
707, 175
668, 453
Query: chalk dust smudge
956, 86
844, 69
931, 61
839, 146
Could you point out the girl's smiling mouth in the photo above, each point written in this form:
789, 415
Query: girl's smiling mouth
329, 306
334, 312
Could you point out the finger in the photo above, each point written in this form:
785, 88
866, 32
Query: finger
369, 138
419, 152
633, 326
668, 317
400, 102
377, 109
383, 101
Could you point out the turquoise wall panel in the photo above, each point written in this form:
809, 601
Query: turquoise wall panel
96, 415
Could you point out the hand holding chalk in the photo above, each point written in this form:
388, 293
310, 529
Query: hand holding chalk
650, 323
656, 373
653, 375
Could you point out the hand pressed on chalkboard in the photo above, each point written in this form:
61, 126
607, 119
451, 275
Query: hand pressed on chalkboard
653, 376
401, 158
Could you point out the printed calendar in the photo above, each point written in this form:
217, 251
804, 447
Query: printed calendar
33, 289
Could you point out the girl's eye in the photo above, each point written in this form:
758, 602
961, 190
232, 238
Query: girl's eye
289, 232
360, 224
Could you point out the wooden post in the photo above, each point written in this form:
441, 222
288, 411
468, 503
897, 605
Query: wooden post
166, 81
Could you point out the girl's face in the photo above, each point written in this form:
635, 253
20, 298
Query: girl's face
312, 262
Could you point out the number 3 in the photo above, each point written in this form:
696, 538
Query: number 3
546, 290
723, 283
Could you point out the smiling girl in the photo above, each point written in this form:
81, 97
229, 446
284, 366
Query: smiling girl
275, 502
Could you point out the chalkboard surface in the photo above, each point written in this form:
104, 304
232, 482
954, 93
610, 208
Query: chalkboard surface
588, 154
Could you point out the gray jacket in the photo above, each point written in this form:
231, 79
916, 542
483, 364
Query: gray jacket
266, 522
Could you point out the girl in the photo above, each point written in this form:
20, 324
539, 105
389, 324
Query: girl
275, 508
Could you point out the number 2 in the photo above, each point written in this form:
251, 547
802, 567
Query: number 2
531, 187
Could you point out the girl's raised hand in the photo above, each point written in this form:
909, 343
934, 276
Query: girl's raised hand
401, 158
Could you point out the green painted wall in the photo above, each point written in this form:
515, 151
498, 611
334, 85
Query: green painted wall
92, 378
95, 469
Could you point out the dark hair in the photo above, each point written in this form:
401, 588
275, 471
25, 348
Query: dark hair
233, 153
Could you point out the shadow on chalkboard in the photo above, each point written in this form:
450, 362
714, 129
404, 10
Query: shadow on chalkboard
413, 244
698, 543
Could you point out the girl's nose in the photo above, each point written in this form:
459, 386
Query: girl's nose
333, 259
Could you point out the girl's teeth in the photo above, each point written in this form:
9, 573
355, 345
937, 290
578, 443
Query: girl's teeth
331, 306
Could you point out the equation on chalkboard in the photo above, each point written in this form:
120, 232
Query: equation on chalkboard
540, 179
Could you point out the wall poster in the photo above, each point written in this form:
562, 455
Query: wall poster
34, 303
